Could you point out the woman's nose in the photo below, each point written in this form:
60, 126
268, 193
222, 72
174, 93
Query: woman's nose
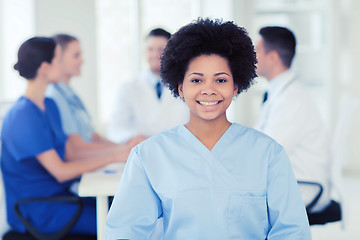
208, 89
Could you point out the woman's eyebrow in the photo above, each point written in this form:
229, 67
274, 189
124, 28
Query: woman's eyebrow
196, 73
220, 73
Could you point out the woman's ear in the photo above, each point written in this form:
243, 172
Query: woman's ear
236, 89
180, 90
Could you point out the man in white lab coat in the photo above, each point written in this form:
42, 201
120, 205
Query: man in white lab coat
143, 106
289, 115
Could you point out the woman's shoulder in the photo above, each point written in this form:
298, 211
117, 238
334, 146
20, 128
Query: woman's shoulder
21, 108
254, 138
163, 139
22, 115
249, 131
50, 103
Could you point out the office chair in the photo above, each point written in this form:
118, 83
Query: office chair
332, 213
34, 234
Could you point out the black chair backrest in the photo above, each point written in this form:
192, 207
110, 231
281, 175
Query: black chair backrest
60, 233
332, 213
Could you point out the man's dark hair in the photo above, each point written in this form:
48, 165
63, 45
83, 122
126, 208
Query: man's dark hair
207, 37
281, 40
159, 32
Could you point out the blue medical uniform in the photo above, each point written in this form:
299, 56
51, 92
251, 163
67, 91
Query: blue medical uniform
28, 131
243, 188
74, 116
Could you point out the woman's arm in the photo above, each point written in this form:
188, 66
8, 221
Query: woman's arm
77, 149
136, 206
286, 210
67, 170
101, 143
97, 138
78, 143
76, 153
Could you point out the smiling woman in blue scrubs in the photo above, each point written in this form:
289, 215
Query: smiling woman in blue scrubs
209, 178
34, 162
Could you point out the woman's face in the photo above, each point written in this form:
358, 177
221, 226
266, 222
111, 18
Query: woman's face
208, 87
71, 59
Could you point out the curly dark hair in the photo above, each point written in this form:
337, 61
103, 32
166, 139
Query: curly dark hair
206, 37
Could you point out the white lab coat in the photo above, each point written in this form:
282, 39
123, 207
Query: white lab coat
291, 118
139, 111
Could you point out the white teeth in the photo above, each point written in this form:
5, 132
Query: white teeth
208, 103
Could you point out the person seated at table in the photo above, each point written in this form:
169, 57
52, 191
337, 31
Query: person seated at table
209, 178
143, 107
290, 116
34, 160
75, 119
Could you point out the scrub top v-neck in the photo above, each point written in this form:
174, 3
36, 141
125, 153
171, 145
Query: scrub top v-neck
234, 191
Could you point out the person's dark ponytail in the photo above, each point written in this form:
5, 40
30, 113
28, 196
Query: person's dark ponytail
32, 53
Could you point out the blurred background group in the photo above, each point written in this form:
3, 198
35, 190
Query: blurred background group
112, 34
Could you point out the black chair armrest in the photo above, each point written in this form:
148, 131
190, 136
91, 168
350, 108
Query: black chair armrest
61, 232
317, 196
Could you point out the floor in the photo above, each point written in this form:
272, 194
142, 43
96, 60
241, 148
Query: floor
349, 229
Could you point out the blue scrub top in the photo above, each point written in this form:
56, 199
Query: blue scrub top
244, 188
74, 116
28, 131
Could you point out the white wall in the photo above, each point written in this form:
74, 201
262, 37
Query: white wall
16, 25
1, 49
77, 18
348, 86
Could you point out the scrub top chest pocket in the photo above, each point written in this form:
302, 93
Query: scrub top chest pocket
247, 213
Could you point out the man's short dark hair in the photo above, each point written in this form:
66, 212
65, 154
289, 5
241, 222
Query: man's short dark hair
159, 32
280, 39
207, 37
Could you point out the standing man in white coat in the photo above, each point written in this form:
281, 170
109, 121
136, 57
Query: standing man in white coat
143, 106
289, 116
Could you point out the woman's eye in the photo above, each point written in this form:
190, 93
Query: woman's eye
221, 80
195, 80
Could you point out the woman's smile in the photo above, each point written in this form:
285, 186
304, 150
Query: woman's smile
208, 87
205, 103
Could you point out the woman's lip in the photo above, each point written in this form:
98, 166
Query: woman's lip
208, 103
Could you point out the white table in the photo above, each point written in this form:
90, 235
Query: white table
101, 184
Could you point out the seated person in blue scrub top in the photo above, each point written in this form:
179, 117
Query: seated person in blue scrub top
75, 119
209, 178
34, 161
